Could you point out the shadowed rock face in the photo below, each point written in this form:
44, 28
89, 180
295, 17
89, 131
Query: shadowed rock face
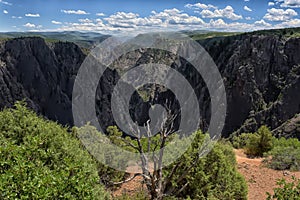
261, 76
42, 74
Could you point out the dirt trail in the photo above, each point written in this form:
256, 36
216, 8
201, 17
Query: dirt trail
259, 178
131, 187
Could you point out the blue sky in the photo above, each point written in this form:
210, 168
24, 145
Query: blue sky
136, 16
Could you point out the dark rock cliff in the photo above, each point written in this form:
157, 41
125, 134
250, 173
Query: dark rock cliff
261, 75
40, 73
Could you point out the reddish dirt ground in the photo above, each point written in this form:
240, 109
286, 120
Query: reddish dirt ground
259, 178
130, 187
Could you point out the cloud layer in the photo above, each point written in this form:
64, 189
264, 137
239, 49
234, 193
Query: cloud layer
274, 14
280, 14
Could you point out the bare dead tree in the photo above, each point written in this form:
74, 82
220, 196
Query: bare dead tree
157, 184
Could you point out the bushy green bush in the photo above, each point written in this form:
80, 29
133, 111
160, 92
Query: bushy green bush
259, 142
285, 155
284, 158
290, 191
240, 141
252, 149
290, 142
42, 160
213, 177
108, 156
254, 144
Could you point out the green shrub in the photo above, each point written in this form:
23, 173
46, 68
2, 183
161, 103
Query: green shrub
252, 147
290, 191
107, 174
260, 142
240, 141
41, 160
283, 142
214, 176
285, 155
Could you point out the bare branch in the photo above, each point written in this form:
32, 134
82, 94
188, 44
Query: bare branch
149, 135
182, 188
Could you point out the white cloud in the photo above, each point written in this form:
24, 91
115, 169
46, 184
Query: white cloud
175, 16
32, 15
5, 2
200, 6
14, 17
246, 0
120, 21
100, 14
76, 12
137, 25
86, 20
33, 27
247, 8
175, 20
5, 11
29, 25
55, 22
132, 23
98, 26
99, 20
165, 19
125, 20
271, 4
262, 23
290, 23
290, 3
219, 24
274, 14
227, 12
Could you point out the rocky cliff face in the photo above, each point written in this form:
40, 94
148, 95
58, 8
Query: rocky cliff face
261, 75
41, 73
